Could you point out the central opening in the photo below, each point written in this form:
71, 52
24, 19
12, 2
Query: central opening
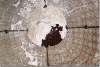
53, 37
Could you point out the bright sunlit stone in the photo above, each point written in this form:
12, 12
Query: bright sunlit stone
41, 26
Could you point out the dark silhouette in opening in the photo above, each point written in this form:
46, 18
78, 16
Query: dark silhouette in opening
45, 6
53, 37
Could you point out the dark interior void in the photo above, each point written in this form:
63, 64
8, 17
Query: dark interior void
53, 37
45, 6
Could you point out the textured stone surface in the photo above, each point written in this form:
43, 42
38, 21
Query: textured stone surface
79, 46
